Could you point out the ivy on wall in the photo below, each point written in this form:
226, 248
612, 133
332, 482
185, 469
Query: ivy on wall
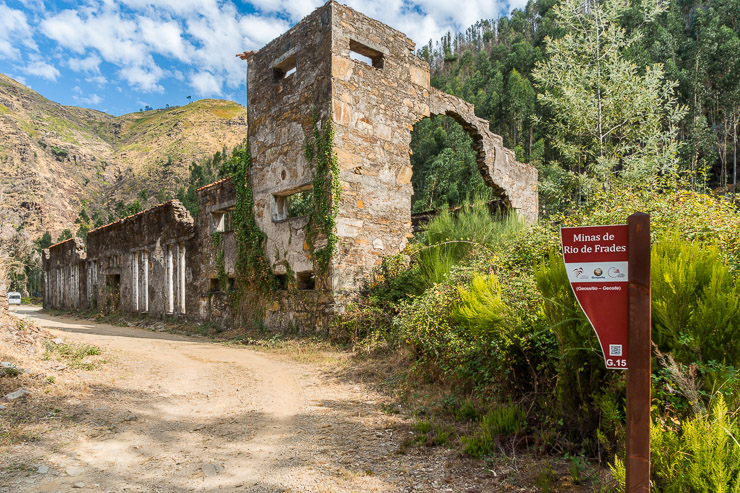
327, 192
253, 272
256, 283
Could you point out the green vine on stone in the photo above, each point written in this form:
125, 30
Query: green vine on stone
253, 272
326, 193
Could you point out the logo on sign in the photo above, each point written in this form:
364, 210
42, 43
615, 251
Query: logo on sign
579, 273
615, 273
598, 272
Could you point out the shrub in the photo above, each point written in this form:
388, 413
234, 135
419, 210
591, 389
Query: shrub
501, 421
450, 238
59, 152
696, 303
695, 216
702, 454
480, 309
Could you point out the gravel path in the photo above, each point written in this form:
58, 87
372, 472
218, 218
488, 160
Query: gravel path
173, 413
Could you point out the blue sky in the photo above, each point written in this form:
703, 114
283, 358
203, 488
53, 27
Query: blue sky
120, 56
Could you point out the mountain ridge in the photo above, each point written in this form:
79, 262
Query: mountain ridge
55, 158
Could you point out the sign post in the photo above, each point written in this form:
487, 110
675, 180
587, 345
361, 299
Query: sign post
638, 375
609, 271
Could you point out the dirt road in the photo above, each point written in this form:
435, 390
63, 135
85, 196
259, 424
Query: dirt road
174, 413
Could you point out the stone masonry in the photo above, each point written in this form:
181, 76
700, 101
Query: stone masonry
337, 65
373, 100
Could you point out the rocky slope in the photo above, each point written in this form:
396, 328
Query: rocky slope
52, 157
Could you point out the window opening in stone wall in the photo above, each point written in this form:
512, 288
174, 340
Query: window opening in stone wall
365, 54
145, 281
306, 281
297, 203
169, 280
214, 285
135, 280
282, 282
223, 221
285, 68
181, 277
231, 284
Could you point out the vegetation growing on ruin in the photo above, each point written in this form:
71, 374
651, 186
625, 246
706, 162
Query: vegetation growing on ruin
327, 192
253, 273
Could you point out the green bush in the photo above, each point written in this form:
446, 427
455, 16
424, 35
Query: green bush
695, 302
451, 237
695, 216
701, 455
59, 152
501, 421
480, 309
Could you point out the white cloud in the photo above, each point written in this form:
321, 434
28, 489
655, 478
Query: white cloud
205, 84
149, 41
14, 27
164, 37
98, 80
295, 9
90, 64
42, 69
143, 79
91, 99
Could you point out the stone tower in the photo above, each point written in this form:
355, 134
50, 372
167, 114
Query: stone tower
337, 63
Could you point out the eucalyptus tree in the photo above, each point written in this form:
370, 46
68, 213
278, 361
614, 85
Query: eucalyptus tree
608, 119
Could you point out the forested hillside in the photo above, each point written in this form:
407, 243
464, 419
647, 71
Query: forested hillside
493, 65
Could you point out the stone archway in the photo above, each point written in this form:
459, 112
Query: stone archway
515, 182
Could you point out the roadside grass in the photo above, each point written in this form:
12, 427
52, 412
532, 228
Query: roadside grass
75, 355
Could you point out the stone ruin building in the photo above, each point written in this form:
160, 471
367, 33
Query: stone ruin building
338, 65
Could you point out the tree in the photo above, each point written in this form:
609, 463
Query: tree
608, 119
66, 234
44, 242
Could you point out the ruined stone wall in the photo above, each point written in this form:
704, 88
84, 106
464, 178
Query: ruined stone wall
280, 112
374, 110
65, 276
375, 106
141, 264
214, 233
335, 65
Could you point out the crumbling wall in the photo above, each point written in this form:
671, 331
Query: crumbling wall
214, 246
281, 109
141, 264
335, 65
376, 103
65, 276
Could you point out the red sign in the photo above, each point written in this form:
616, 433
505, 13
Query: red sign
596, 262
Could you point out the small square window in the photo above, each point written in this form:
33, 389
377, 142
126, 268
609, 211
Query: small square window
214, 285
306, 281
282, 282
295, 204
285, 69
223, 221
365, 54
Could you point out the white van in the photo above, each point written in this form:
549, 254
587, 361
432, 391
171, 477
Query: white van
14, 298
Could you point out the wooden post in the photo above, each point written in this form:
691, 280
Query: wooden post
638, 374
